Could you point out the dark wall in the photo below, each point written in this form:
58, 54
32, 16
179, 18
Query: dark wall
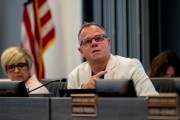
164, 26
171, 25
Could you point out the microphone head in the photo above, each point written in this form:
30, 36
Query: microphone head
64, 80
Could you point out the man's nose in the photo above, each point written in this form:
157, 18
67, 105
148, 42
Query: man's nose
94, 43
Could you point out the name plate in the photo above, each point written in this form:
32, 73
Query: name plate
84, 105
163, 107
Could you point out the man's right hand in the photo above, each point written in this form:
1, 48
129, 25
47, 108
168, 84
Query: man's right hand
90, 84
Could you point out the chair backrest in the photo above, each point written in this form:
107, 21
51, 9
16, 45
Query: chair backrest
55, 86
176, 82
163, 85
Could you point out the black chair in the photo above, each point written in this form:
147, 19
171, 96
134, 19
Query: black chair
163, 85
54, 85
176, 82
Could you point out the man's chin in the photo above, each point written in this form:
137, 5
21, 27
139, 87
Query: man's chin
97, 55
98, 58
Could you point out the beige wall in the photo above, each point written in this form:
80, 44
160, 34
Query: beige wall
63, 56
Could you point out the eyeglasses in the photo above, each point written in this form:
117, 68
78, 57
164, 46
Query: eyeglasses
97, 38
20, 66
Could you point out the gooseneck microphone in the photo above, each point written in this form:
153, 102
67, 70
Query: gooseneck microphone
45, 85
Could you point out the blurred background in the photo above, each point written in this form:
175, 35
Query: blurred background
138, 29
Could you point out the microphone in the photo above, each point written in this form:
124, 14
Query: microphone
45, 85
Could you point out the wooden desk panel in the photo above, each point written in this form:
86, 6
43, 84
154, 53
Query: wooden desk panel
54, 108
107, 109
24, 108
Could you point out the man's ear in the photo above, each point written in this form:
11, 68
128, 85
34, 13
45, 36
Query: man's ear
109, 41
81, 52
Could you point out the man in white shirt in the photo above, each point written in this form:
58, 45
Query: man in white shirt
95, 48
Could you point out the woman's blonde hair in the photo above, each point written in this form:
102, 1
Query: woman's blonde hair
13, 54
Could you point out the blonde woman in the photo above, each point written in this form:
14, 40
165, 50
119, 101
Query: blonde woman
17, 63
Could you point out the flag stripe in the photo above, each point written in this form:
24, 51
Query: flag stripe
45, 18
47, 28
41, 2
46, 42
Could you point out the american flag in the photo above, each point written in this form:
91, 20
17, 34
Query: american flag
37, 33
